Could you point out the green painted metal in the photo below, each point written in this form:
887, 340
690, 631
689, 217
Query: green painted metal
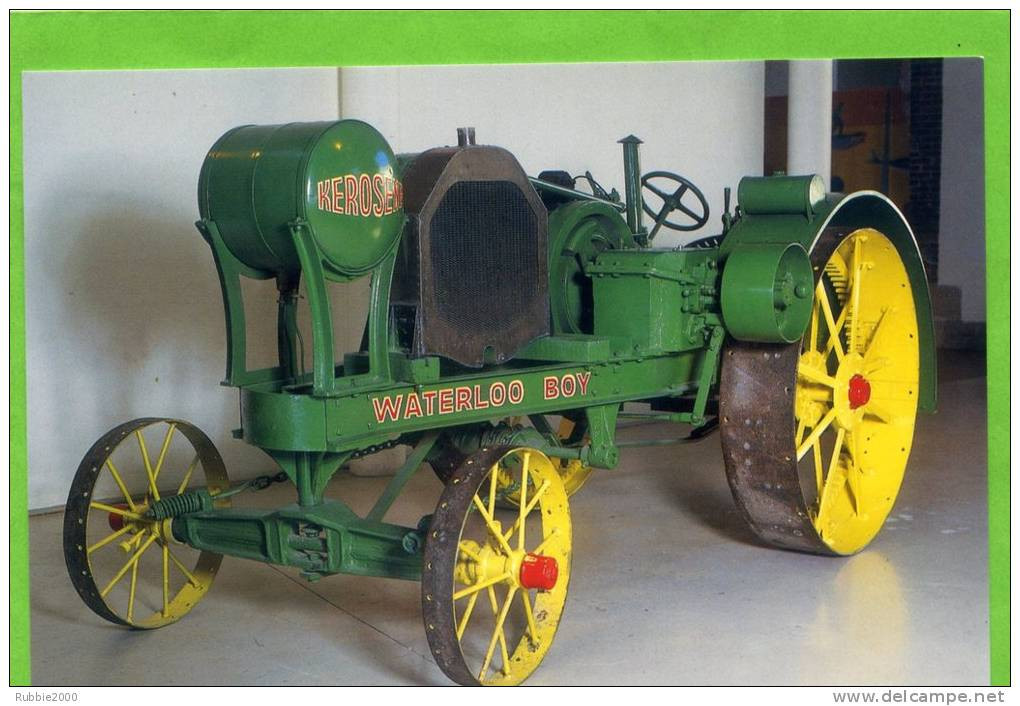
651, 302
572, 194
339, 177
632, 186
578, 233
323, 539
864, 209
767, 292
393, 488
781, 194
281, 421
629, 323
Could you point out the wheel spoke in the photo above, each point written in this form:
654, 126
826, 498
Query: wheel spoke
833, 469
124, 569
552, 533
822, 297
96, 505
166, 580
853, 475
131, 592
819, 470
120, 483
815, 375
524, 497
187, 475
879, 329
498, 636
471, 554
108, 538
494, 477
815, 433
462, 625
878, 412
529, 615
163, 449
491, 524
854, 300
531, 506
813, 340
476, 587
177, 562
148, 464
801, 428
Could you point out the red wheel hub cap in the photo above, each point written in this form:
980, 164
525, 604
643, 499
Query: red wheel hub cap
859, 391
538, 572
117, 521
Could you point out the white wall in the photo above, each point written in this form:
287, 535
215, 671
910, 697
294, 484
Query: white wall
124, 316
703, 120
962, 188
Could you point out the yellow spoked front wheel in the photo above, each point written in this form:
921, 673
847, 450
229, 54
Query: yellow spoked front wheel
495, 580
848, 390
127, 567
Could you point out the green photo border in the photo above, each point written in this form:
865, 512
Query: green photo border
52, 41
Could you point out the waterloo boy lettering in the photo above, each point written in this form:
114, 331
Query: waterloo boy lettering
466, 398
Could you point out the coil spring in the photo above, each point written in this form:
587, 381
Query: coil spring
502, 435
175, 505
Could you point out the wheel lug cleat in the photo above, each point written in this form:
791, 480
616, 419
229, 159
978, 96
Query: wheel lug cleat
538, 572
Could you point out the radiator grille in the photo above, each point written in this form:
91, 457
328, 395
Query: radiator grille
484, 246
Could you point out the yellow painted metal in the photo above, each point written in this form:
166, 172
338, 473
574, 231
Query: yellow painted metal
503, 646
573, 472
173, 593
857, 453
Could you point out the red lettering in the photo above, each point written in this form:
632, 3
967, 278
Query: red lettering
479, 403
515, 391
582, 380
430, 399
413, 408
497, 394
568, 387
446, 401
324, 198
551, 384
463, 398
388, 196
398, 195
365, 194
338, 196
351, 194
387, 408
377, 195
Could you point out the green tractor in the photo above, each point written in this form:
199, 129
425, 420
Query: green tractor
510, 319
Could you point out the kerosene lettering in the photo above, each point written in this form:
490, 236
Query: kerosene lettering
365, 195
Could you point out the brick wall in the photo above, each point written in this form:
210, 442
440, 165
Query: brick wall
926, 157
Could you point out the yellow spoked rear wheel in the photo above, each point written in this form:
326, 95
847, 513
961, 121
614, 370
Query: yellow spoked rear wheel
856, 392
495, 580
816, 435
127, 567
573, 472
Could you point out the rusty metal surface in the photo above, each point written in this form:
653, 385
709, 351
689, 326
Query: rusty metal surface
474, 257
441, 550
757, 388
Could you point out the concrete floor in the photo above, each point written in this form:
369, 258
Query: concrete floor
668, 587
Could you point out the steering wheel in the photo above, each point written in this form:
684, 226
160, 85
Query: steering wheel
672, 200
